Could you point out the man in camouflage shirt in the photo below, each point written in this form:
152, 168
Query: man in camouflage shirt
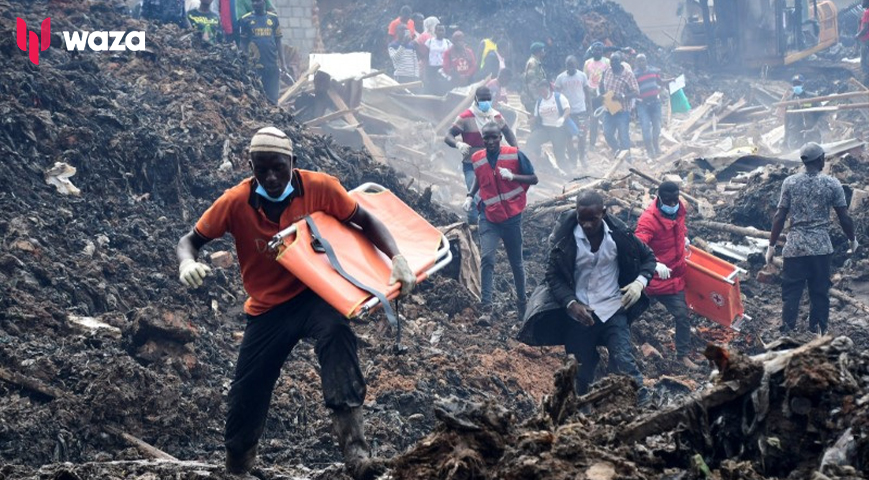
807, 198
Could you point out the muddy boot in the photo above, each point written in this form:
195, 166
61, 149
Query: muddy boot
348, 429
239, 465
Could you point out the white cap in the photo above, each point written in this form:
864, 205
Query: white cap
270, 139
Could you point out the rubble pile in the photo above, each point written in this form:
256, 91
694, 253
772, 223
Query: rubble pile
107, 363
790, 412
568, 27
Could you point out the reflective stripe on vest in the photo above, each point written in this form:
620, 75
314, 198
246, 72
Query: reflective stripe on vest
503, 156
504, 196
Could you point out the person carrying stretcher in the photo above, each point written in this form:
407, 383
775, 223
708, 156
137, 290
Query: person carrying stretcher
280, 309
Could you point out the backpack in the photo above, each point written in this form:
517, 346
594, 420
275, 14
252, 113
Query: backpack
569, 123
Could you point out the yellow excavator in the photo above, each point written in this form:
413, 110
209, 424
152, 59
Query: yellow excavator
758, 33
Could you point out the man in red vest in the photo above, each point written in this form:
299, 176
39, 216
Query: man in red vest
503, 175
662, 228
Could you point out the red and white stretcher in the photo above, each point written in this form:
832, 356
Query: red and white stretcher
712, 289
343, 267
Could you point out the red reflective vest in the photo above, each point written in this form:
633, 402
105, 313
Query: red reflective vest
501, 199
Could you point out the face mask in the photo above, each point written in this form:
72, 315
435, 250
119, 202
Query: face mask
798, 89
484, 106
667, 209
287, 191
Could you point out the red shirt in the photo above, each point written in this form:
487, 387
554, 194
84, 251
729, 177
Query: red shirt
863, 22
239, 212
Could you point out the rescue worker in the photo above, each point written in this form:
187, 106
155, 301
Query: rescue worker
469, 124
280, 309
662, 228
502, 177
807, 198
491, 61
533, 75
595, 276
261, 37
800, 127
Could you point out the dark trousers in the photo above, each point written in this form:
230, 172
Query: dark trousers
268, 340
797, 272
559, 136
649, 114
580, 120
510, 232
678, 308
271, 78
615, 335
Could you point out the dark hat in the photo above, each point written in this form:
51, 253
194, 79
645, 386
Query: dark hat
668, 187
537, 47
797, 79
811, 152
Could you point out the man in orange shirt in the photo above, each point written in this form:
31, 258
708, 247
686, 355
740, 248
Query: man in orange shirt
281, 310
402, 19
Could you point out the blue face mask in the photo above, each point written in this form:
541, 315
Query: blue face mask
798, 89
485, 106
287, 191
667, 209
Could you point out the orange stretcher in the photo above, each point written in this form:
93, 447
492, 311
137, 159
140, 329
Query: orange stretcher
712, 289
340, 264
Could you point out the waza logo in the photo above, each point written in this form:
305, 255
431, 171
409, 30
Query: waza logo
36, 43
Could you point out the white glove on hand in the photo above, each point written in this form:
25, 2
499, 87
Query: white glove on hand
687, 243
464, 148
854, 245
468, 203
770, 253
559, 122
631, 293
505, 173
402, 273
662, 271
193, 273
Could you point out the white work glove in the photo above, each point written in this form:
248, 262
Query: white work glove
464, 148
770, 253
559, 122
631, 293
505, 174
402, 273
854, 245
468, 203
687, 243
193, 273
662, 271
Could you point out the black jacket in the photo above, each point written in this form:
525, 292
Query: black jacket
544, 320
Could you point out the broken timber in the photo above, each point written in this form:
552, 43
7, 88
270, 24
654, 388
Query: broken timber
837, 96
297, 87
375, 151
727, 228
143, 446
831, 108
328, 117
31, 384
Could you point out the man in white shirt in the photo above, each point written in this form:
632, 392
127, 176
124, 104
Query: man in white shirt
595, 277
573, 84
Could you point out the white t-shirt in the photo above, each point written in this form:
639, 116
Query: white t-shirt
436, 50
547, 110
573, 88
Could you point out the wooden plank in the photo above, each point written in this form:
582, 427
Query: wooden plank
412, 151
700, 112
142, 445
375, 151
328, 117
400, 86
301, 82
727, 112
822, 98
31, 384
831, 108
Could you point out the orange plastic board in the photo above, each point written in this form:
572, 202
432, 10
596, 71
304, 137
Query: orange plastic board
712, 289
416, 239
